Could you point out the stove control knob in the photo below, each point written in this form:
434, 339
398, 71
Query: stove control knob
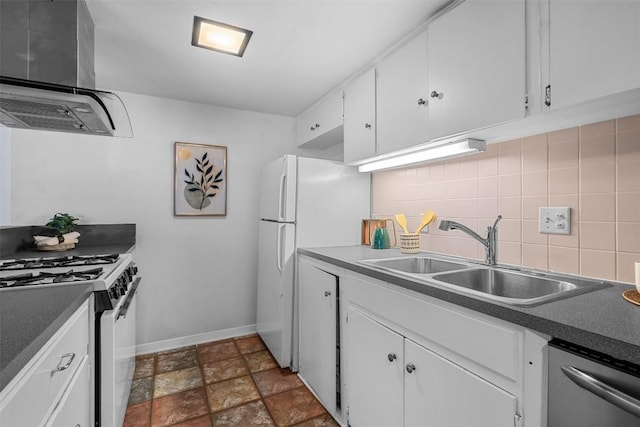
134, 269
123, 290
113, 293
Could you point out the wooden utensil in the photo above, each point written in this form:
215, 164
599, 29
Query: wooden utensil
402, 220
427, 218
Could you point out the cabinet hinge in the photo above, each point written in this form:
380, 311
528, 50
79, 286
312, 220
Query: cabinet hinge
526, 101
547, 96
517, 420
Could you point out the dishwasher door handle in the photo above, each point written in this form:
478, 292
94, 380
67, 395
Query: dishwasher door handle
603, 390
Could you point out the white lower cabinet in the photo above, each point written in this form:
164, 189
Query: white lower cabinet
74, 409
318, 362
441, 393
374, 370
55, 388
393, 381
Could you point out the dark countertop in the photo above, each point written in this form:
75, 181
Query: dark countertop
29, 317
601, 320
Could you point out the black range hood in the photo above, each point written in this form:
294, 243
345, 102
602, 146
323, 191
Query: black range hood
46, 71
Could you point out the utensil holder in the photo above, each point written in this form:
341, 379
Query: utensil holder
409, 243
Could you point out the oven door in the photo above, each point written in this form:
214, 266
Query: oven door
117, 354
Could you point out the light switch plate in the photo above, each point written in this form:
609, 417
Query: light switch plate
554, 220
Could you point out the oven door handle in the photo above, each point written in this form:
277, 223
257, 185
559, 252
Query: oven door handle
127, 302
603, 390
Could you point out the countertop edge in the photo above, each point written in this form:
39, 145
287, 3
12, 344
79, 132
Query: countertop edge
517, 315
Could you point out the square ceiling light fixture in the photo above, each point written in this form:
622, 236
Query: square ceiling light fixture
220, 37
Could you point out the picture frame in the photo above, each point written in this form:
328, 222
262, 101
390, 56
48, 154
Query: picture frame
200, 180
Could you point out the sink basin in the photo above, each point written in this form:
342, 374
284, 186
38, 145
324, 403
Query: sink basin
415, 265
517, 288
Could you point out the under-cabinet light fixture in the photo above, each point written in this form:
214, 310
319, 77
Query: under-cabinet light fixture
220, 37
429, 153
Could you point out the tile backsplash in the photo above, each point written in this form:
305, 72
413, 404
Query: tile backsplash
593, 169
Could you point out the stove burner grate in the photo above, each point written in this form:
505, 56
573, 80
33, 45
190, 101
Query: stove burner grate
44, 278
65, 261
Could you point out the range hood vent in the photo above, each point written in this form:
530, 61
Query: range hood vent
46, 71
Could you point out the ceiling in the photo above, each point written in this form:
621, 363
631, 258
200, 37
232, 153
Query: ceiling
300, 49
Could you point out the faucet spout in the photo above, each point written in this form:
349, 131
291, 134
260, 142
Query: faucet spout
489, 242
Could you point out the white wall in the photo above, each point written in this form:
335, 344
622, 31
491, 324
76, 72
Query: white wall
199, 274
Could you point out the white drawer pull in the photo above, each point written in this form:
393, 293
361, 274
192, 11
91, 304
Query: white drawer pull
62, 367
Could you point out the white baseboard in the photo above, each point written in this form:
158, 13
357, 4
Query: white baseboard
154, 347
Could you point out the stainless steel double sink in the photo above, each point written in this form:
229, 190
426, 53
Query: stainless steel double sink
509, 286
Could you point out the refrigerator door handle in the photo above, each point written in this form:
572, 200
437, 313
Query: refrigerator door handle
603, 390
281, 229
282, 199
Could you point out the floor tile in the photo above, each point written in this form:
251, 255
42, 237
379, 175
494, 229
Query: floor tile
323, 421
144, 368
260, 361
293, 406
203, 421
276, 381
177, 381
224, 370
250, 344
179, 407
217, 351
138, 415
176, 360
232, 392
141, 390
251, 414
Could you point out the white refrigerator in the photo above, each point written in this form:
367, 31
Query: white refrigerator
304, 202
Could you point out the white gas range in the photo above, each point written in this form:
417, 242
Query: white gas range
115, 280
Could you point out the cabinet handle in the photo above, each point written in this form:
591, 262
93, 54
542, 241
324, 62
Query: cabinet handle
391, 357
435, 94
59, 368
327, 293
410, 367
367, 125
422, 102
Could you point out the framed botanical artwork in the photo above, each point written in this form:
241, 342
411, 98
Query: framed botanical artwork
200, 180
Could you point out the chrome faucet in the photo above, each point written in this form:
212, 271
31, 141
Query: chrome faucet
489, 242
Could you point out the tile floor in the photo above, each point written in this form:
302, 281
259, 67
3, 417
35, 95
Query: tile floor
232, 382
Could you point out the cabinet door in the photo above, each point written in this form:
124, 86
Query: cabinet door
595, 49
75, 407
321, 126
374, 373
318, 315
402, 93
441, 393
360, 118
476, 66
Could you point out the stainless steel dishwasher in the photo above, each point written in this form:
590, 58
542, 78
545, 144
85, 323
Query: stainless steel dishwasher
591, 389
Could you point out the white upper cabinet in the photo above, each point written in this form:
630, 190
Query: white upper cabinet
476, 63
321, 126
360, 118
401, 98
594, 49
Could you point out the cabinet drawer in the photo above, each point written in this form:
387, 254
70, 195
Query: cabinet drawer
492, 344
43, 380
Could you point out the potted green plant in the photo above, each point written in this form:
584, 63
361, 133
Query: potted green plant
62, 223
65, 238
